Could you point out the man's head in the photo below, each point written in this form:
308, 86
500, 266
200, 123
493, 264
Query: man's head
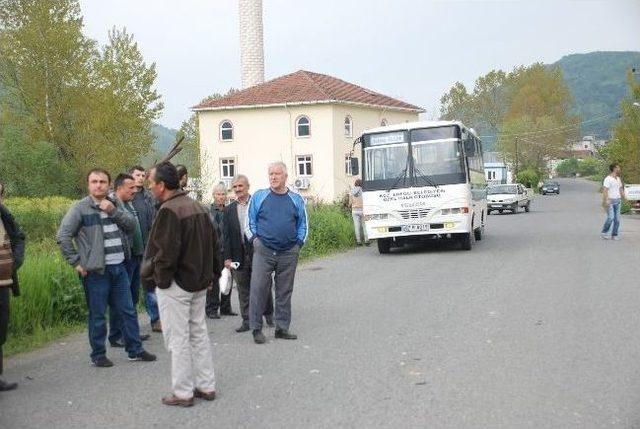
163, 180
219, 194
183, 175
98, 181
125, 186
240, 187
615, 169
139, 174
278, 176
358, 182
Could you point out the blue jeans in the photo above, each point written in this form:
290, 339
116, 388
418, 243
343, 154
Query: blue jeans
112, 288
132, 266
151, 304
613, 217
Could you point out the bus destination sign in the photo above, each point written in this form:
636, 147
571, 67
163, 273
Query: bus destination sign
387, 138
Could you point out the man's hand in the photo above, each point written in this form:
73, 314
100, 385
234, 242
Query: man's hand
227, 263
107, 206
81, 271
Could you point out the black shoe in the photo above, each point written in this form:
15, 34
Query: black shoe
258, 336
269, 320
143, 356
367, 243
144, 337
116, 343
228, 313
5, 387
243, 328
102, 362
285, 335
213, 315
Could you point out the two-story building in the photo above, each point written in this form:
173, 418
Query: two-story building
306, 120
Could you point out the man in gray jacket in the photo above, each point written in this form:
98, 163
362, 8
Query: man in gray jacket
92, 238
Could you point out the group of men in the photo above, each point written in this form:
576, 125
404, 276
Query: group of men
166, 241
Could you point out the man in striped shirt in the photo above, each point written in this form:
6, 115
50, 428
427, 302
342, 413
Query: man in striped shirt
93, 239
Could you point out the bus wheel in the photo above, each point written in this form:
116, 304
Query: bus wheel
465, 241
384, 245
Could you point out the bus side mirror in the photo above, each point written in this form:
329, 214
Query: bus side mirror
355, 166
469, 147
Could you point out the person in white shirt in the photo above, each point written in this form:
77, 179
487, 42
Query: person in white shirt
612, 195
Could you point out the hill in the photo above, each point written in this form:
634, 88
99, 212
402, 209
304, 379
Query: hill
597, 81
164, 138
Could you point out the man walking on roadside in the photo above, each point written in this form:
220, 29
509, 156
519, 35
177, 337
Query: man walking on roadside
355, 200
11, 258
125, 190
612, 195
238, 249
91, 237
277, 227
181, 261
145, 206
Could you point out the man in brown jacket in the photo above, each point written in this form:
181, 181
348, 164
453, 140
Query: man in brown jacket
181, 260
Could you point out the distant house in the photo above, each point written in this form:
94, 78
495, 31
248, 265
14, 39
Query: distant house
306, 120
585, 148
496, 169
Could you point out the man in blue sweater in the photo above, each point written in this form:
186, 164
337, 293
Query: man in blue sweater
277, 227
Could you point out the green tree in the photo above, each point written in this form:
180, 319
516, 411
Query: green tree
624, 148
93, 107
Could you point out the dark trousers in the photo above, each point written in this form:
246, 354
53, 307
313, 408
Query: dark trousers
4, 318
282, 265
132, 266
243, 281
216, 300
111, 288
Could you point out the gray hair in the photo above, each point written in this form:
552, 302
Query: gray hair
220, 187
279, 164
240, 177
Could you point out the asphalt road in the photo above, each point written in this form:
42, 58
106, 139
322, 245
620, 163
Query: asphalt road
537, 326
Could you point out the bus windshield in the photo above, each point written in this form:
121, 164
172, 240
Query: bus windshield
419, 157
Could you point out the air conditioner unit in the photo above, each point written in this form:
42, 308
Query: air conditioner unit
227, 183
302, 183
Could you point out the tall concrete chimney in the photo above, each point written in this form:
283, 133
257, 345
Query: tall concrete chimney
251, 42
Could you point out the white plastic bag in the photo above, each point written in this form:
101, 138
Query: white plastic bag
226, 279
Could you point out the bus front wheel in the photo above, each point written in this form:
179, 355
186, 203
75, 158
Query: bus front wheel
384, 245
465, 241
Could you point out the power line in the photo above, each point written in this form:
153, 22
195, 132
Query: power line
557, 129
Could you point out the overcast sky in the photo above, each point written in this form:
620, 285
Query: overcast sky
413, 50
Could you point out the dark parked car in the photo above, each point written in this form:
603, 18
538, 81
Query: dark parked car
550, 188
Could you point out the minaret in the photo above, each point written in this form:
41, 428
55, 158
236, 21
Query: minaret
251, 42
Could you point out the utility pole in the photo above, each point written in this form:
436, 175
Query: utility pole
515, 170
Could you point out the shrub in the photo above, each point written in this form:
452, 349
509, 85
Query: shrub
39, 217
330, 229
529, 178
51, 293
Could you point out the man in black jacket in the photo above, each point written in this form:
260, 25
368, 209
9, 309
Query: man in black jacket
11, 258
238, 249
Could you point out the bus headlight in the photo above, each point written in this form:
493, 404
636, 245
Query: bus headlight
376, 216
455, 210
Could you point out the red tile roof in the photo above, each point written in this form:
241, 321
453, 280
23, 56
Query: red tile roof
305, 87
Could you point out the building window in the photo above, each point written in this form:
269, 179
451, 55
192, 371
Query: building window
348, 126
226, 131
227, 168
347, 165
303, 127
304, 165
384, 123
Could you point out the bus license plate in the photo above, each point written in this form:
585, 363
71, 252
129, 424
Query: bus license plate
415, 228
